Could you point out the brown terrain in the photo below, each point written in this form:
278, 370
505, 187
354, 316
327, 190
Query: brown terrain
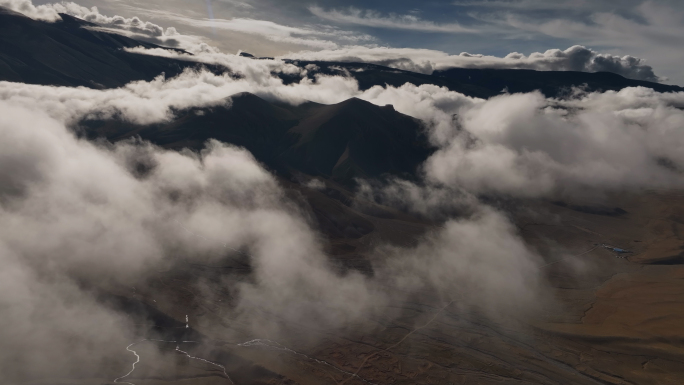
616, 318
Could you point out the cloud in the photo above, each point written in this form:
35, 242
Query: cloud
509, 144
525, 145
101, 223
317, 36
369, 18
575, 58
481, 256
150, 102
100, 219
111, 215
267, 29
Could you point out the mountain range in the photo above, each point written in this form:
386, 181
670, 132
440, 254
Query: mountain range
73, 52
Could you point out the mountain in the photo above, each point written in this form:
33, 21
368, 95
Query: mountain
351, 139
71, 53
482, 83
550, 83
369, 75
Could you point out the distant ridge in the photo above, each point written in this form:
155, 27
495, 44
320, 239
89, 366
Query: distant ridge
342, 141
550, 83
485, 83
67, 54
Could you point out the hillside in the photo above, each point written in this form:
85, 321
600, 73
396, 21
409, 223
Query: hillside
342, 141
70, 53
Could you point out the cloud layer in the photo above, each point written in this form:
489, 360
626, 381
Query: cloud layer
609, 139
575, 58
108, 216
648, 29
100, 223
528, 146
111, 214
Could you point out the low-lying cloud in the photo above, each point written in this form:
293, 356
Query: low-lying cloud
79, 215
521, 144
78, 212
575, 58
108, 216
527, 145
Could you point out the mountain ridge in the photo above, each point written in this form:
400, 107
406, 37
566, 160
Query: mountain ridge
343, 141
65, 53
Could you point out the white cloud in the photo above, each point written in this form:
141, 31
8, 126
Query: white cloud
480, 256
50, 12
369, 18
517, 137
530, 146
78, 215
330, 43
575, 58
99, 219
148, 102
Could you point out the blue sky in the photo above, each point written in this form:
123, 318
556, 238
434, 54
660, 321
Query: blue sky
651, 30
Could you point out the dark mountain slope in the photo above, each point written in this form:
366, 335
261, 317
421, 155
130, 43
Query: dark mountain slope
248, 121
346, 140
550, 83
357, 138
67, 54
484, 83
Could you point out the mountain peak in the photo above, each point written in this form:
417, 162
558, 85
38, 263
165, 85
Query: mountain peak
76, 21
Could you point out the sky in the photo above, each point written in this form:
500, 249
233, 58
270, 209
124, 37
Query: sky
650, 30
